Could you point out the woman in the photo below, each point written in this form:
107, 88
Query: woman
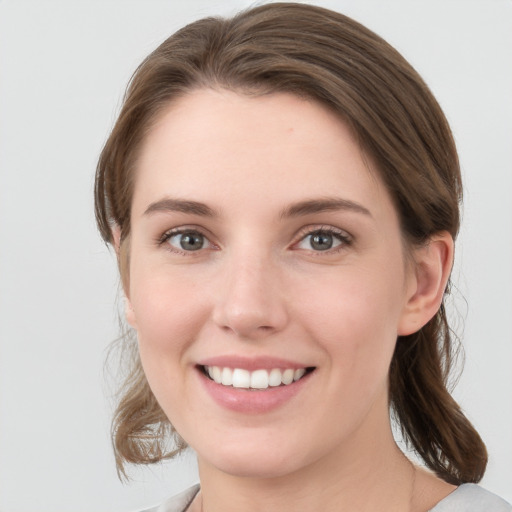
282, 191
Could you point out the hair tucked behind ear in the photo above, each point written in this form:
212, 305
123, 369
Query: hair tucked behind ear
325, 56
430, 419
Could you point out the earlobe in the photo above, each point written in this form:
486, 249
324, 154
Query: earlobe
129, 313
121, 259
432, 267
116, 238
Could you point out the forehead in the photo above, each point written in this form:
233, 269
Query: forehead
218, 146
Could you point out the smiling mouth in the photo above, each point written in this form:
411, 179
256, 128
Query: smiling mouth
257, 379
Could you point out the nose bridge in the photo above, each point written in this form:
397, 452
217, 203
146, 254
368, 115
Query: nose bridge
250, 301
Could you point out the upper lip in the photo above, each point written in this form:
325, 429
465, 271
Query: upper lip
252, 363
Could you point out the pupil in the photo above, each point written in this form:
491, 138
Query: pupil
321, 241
191, 241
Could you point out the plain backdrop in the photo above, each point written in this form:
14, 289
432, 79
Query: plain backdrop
63, 68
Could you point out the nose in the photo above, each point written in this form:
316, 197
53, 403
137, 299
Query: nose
251, 298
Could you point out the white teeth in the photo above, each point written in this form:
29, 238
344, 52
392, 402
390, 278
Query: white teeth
241, 378
227, 377
217, 375
288, 376
258, 379
274, 379
299, 373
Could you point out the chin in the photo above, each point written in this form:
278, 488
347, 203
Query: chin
254, 460
257, 468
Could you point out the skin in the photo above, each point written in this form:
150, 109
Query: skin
257, 286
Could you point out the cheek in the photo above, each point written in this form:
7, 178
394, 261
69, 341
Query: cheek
168, 316
168, 320
354, 317
164, 305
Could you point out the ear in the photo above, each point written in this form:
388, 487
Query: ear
128, 308
430, 272
116, 238
129, 313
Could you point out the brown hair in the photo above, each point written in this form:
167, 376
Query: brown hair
325, 56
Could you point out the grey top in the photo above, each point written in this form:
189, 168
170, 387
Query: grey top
466, 498
472, 498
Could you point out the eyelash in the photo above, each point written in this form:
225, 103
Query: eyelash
342, 236
164, 239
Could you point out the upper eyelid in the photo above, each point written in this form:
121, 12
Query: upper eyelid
309, 230
163, 240
344, 237
300, 234
183, 229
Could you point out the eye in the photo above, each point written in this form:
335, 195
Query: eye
324, 240
186, 240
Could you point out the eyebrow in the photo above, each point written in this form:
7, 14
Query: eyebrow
299, 209
323, 205
179, 205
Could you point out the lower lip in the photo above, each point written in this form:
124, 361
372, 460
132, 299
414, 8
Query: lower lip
252, 401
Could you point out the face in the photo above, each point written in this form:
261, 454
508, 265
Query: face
267, 282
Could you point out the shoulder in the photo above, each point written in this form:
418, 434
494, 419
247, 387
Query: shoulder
466, 498
178, 503
472, 498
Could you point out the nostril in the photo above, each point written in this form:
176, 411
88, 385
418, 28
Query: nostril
249, 304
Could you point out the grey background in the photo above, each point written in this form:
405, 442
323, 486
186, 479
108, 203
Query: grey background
63, 68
